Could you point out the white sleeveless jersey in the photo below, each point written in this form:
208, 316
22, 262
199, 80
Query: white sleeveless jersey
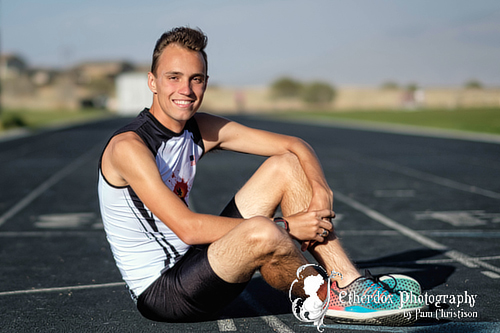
142, 245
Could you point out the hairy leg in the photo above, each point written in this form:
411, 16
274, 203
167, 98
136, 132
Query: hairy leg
331, 255
281, 181
260, 244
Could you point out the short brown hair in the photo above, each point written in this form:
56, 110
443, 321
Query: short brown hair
192, 39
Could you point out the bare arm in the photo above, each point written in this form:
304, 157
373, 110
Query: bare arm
222, 133
127, 161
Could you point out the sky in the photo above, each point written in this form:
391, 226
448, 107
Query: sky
252, 43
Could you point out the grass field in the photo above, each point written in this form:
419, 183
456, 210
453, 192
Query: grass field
34, 119
484, 120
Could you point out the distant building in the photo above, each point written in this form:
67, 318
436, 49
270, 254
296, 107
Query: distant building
98, 70
43, 76
132, 93
12, 66
96, 81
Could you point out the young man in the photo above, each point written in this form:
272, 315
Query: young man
183, 266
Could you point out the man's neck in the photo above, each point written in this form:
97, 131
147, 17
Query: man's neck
174, 125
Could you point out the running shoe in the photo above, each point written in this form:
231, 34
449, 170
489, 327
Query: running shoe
369, 302
397, 283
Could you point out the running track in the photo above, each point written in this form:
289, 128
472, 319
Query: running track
423, 205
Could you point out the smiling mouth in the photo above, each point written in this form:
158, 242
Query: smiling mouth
182, 103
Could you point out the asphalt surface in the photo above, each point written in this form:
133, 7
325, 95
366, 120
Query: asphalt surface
424, 206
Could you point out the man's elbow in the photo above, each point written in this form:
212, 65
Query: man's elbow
189, 232
297, 144
191, 239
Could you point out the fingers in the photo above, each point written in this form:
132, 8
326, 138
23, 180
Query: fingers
327, 225
319, 238
325, 214
318, 230
322, 235
326, 221
305, 245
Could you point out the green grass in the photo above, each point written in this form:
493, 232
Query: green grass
34, 119
484, 120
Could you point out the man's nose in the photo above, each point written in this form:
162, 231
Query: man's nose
185, 88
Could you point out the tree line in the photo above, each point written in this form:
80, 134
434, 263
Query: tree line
316, 92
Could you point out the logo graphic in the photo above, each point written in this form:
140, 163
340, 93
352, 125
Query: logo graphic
179, 186
308, 307
181, 189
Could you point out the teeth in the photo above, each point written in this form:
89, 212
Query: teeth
183, 102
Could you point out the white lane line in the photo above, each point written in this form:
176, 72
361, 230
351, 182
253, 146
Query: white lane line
424, 261
462, 233
276, 324
393, 167
226, 325
447, 182
389, 223
23, 203
62, 289
65, 220
491, 274
456, 255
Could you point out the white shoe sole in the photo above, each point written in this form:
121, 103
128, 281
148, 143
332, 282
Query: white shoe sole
403, 317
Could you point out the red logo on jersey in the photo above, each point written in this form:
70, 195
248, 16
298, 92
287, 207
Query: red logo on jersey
181, 189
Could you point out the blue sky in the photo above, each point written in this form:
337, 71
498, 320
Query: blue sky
350, 42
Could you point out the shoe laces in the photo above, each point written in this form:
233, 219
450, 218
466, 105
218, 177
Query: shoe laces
377, 280
377, 287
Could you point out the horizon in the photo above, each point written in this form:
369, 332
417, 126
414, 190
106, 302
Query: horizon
359, 43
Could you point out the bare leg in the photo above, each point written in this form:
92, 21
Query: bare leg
257, 244
281, 181
332, 257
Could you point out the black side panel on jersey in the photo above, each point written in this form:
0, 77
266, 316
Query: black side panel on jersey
154, 133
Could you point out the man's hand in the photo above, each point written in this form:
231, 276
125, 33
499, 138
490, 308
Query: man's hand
322, 199
311, 225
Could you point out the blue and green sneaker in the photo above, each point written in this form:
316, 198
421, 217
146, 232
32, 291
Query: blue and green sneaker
375, 301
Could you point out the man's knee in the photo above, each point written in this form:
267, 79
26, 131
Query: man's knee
264, 237
284, 163
283, 168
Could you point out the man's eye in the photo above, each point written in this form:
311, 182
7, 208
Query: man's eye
172, 78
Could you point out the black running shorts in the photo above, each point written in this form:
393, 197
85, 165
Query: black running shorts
190, 290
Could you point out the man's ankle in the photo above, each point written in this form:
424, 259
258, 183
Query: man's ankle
347, 279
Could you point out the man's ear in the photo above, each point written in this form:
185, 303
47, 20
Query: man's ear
152, 82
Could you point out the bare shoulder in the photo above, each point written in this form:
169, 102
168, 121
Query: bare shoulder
219, 132
123, 151
126, 140
208, 121
210, 128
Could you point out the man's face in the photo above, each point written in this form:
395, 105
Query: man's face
179, 86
